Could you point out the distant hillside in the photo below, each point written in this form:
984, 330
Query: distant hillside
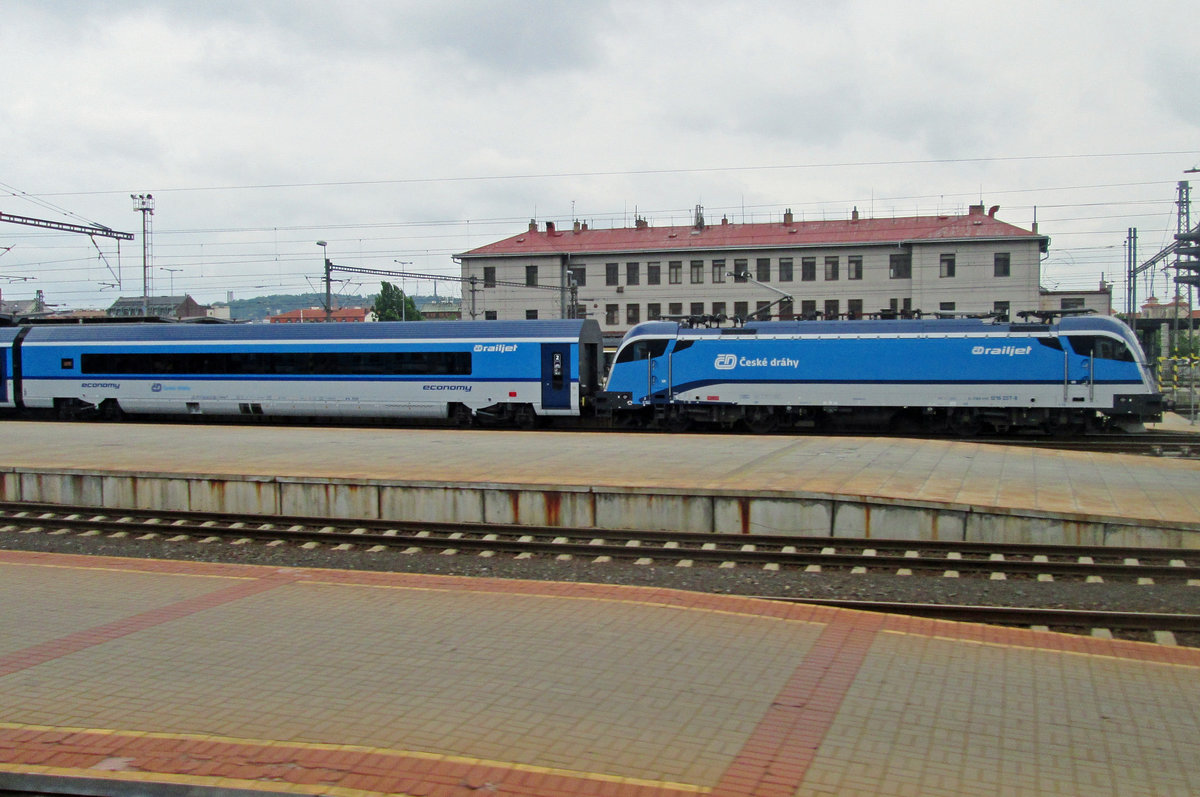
258, 308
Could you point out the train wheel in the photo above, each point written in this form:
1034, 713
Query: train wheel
761, 420
525, 417
965, 423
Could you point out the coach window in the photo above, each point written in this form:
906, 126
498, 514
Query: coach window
697, 269
632, 313
653, 273
675, 271
947, 265
854, 267
1000, 264
610, 314
762, 268
489, 276
808, 269
653, 311
900, 266
633, 275
612, 274
718, 271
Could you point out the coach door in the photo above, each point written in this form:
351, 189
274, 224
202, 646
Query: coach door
556, 376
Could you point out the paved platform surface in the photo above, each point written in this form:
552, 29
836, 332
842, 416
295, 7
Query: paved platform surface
345, 683
962, 473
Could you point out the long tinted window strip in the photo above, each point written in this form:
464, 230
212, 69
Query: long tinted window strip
453, 363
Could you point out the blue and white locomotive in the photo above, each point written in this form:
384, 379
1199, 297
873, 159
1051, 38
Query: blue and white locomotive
505, 371
965, 375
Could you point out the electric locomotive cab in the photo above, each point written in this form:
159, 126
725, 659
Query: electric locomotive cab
641, 371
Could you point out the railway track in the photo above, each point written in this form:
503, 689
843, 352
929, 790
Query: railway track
946, 559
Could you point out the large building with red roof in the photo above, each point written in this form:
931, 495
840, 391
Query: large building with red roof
853, 267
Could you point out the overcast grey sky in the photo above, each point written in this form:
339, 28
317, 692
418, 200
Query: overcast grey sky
416, 130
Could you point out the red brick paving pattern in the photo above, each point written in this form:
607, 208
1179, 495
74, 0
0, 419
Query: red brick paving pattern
773, 760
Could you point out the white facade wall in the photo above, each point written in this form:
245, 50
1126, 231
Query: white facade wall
973, 287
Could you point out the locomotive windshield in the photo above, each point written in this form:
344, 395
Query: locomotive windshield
1102, 348
643, 349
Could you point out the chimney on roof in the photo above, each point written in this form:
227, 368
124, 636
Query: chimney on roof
975, 210
549, 228
533, 225
787, 216
993, 210
854, 214
699, 218
584, 226
575, 227
640, 224
724, 220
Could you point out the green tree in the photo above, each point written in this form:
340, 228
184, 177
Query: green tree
393, 305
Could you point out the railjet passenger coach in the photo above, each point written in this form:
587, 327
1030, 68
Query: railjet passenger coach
966, 375
506, 371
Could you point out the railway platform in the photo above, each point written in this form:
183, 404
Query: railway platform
808, 485
136, 673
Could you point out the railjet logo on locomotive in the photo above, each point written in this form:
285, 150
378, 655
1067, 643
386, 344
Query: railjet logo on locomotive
1002, 351
500, 348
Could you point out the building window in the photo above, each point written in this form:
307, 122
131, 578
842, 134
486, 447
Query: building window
946, 307
832, 309
697, 268
579, 274
740, 268
740, 309
653, 311
785, 269
1000, 264
900, 266
786, 310
831, 268
762, 269
632, 313
808, 270
808, 308
697, 308
1000, 309
947, 268
489, 315
531, 277
653, 274
675, 309
633, 275
718, 271
675, 272
718, 308
854, 268
854, 308
489, 276
531, 315
761, 312
612, 274
610, 314
1075, 303
580, 311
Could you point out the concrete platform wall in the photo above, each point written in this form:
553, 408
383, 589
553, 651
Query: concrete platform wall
580, 507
